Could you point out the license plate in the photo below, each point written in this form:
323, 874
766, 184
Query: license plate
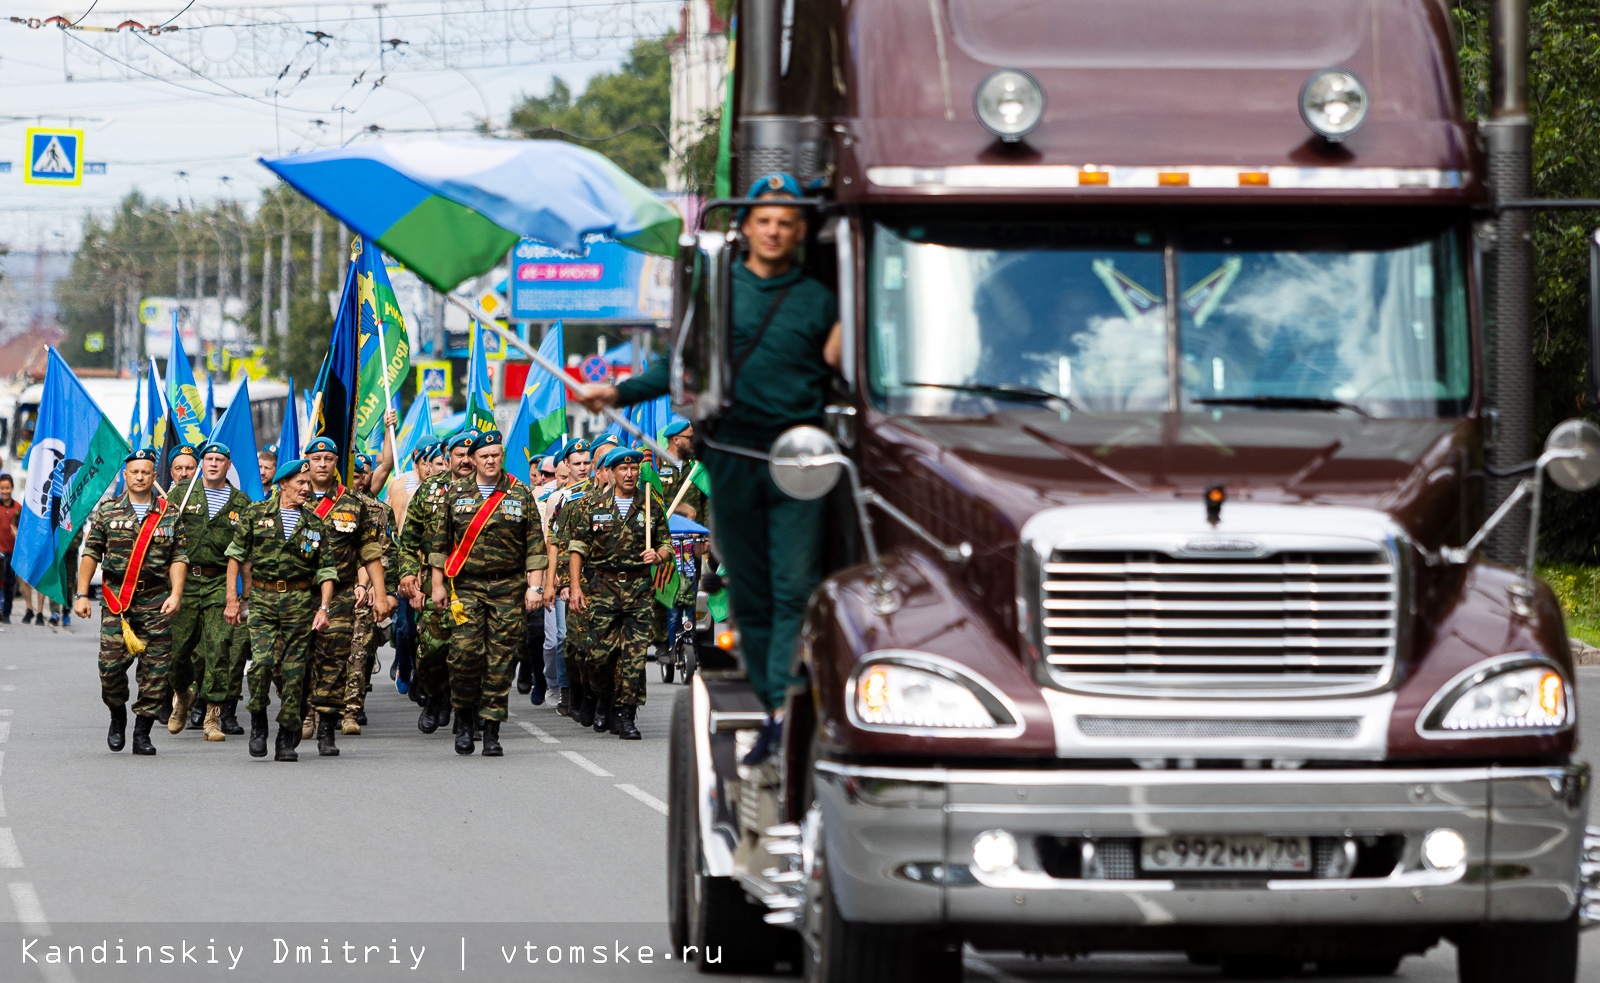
1224, 854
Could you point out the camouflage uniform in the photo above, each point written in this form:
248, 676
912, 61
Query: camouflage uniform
284, 574
113, 529
491, 586
621, 597
575, 646
432, 674
352, 538
203, 649
673, 480
365, 638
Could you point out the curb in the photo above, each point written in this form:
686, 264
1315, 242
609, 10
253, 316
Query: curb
1583, 653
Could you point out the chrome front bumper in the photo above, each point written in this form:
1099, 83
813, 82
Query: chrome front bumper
898, 843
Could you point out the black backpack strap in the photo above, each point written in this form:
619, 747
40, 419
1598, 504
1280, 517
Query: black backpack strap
761, 332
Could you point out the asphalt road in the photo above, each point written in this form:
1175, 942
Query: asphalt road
395, 861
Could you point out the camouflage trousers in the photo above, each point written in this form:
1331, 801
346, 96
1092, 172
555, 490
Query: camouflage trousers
328, 674
482, 649
280, 645
432, 674
203, 644
622, 612
364, 643
576, 647
232, 681
155, 630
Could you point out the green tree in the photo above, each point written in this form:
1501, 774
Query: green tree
622, 114
1564, 96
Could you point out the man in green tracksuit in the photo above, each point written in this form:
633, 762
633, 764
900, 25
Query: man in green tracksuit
786, 342
203, 644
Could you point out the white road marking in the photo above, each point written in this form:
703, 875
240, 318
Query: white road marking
29, 911
543, 736
10, 667
5, 713
5, 731
8, 688
2, 761
586, 764
2, 804
645, 797
9, 855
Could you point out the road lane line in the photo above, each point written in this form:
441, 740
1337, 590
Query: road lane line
29, 911
8, 688
5, 713
543, 736
10, 856
586, 764
2, 804
645, 797
5, 731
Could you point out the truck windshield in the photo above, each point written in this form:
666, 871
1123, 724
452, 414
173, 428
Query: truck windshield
967, 317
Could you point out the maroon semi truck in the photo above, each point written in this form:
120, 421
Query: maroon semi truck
1182, 592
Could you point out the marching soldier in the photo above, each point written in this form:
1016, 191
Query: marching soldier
141, 547
563, 627
182, 462
488, 550
203, 653
621, 534
281, 549
683, 498
366, 637
352, 540
416, 538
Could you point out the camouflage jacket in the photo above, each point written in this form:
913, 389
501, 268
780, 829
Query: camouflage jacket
207, 536
416, 535
113, 529
511, 541
391, 549
259, 542
672, 481
568, 508
352, 530
607, 541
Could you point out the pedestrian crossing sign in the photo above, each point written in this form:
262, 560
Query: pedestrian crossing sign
54, 156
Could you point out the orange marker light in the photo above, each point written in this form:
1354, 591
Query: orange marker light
1552, 696
1173, 179
1093, 178
1254, 179
1215, 496
725, 641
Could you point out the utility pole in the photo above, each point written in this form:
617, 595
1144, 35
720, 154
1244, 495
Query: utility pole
266, 293
316, 254
343, 249
283, 282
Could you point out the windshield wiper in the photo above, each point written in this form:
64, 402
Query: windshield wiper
999, 390
1283, 403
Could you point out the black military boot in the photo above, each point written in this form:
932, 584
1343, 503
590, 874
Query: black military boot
197, 714
428, 719
230, 720
141, 736
361, 717
327, 729
445, 711
288, 737
591, 702
602, 715
477, 724
258, 733
614, 720
491, 739
118, 734
627, 729
464, 731
562, 706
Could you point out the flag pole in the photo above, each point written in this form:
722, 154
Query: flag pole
388, 394
561, 375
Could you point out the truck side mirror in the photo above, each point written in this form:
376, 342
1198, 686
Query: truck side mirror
1572, 453
701, 369
805, 463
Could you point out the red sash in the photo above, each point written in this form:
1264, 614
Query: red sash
323, 507
458, 556
119, 601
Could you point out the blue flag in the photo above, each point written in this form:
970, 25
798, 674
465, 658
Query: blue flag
546, 395
76, 454
211, 402
335, 399
183, 396
516, 442
414, 429
289, 442
480, 400
237, 430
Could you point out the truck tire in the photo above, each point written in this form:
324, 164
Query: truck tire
727, 931
1527, 952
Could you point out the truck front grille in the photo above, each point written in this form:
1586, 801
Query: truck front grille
1138, 621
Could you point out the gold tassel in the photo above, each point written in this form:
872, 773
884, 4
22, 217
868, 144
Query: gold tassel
458, 610
129, 639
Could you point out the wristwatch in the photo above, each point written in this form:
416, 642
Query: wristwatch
538, 590
86, 597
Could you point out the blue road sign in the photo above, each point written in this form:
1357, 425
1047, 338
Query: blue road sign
55, 156
595, 369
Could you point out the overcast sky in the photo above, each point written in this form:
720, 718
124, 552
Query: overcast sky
146, 131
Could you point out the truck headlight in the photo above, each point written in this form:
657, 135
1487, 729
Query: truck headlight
1511, 694
917, 692
1009, 104
1334, 103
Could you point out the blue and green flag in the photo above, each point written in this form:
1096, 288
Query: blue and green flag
76, 454
385, 349
546, 395
480, 396
414, 429
183, 396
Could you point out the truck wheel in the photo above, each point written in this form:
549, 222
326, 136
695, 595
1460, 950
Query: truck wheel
1527, 952
710, 913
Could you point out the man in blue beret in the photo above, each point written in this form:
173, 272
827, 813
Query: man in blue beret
205, 656
563, 629
139, 543
786, 344
182, 463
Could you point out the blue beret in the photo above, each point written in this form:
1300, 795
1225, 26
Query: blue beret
579, 446
674, 428
179, 451
420, 453
142, 454
776, 183
272, 449
605, 440
463, 438
434, 452
622, 455
324, 445
291, 468
364, 462
488, 438
216, 447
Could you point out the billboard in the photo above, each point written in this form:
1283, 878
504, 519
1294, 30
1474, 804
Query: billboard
608, 282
